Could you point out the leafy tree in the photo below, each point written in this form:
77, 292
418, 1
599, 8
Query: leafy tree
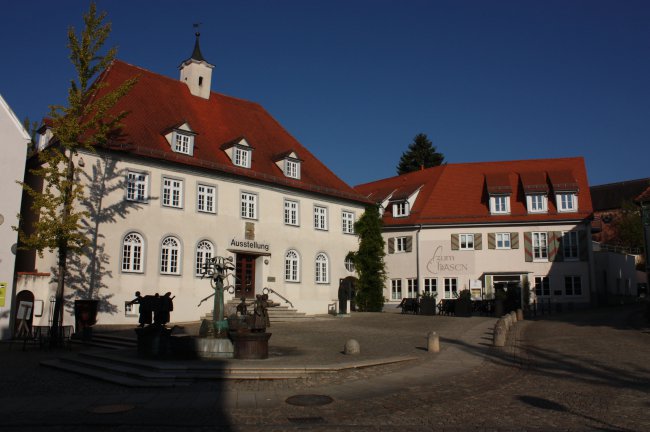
85, 122
420, 154
629, 227
369, 261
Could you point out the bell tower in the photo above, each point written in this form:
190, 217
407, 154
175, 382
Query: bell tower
196, 72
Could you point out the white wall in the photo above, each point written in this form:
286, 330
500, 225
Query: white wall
615, 273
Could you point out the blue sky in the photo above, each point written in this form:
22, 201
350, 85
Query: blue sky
355, 80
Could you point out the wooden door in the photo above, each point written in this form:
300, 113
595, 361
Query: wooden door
245, 276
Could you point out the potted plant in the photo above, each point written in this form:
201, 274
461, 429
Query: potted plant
428, 303
464, 303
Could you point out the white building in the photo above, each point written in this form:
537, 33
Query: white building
194, 174
484, 226
14, 145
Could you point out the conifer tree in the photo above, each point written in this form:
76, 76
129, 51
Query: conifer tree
369, 261
85, 122
420, 154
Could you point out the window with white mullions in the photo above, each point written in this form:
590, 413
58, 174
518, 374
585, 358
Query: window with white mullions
172, 192
206, 198
291, 212
503, 240
242, 157
451, 288
204, 252
347, 219
320, 218
292, 266
542, 286
170, 256
430, 286
466, 241
248, 205
322, 264
136, 186
132, 253
540, 246
396, 289
412, 288
570, 245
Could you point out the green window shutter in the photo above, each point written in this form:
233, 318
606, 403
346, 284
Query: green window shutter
492, 244
514, 240
478, 241
528, 246
454, 242
583, 245
391, 245
409, 244
554, 238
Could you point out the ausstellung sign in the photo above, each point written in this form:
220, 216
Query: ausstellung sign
441, 260
250, 244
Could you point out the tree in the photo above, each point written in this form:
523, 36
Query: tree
420, 154
629, 227
85, 122
369, 261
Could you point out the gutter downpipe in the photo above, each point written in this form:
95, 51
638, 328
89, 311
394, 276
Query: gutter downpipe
417, 256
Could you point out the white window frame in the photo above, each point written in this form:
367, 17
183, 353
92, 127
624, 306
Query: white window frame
567, 202
542, 286
412, 288
172, 192
322, 269
204, 251
400, 244
137, 186
248, 205
430, 286
241, 157
573, 286
540, 246
502, 240
396, 289
500, 204
347, 221
537, 203
292, 266
292, 169
401, 209
570, 243
349, 265
466, 241
133, 249
206, 198
183, 143
320, 218
170, 256
291, 212
451, 287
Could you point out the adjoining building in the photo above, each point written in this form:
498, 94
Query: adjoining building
196, 174
15, 141
488, 226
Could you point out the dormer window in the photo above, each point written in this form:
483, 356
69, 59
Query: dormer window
500, 204
242, 157
537, 203
292, 168
183, 143
181, 138
566, 189
400, 209
566, 201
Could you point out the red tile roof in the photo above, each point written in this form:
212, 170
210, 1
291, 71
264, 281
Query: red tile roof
458, 193
644, 197
157, 103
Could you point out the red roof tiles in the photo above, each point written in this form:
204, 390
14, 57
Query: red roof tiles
156, 102
458, 193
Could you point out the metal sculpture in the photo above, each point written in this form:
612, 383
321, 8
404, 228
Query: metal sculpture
218, 269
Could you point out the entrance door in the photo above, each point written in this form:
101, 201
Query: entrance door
245, 276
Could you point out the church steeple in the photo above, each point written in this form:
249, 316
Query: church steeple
196, 72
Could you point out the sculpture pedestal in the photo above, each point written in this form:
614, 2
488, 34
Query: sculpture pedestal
153, 341
250, 345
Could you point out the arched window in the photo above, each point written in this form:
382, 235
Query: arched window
291, 266
170, 256
204, 251
321, 268
132, 253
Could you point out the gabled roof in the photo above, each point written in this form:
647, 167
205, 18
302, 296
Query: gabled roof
458, 193
156, 102
611, 196
644, 197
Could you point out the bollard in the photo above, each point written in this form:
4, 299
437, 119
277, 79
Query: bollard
520, 315
500, 333
351, 347
433, 342
507, 321
513, 315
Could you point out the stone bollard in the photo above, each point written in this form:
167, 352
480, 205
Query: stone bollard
513, 315
520, 315
500, 333
433, 342
351, 347
507, 321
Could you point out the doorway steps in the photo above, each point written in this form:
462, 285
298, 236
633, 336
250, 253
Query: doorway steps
277, 314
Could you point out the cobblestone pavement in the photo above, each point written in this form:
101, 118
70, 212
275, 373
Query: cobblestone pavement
584, 371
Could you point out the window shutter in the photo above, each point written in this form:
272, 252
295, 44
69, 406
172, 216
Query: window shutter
488, 286
409, 244
391, 245
454, 242
514, 240
528, 246
554, 245
583, 245
492, 241
478, 241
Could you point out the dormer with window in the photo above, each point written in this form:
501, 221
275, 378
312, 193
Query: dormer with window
535, 187
565, 188
44, 135
499, 190
289, 163
181, 139
401, 201
240, 152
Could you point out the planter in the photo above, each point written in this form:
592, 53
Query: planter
463, 308
85, 316
250, 345
427, 306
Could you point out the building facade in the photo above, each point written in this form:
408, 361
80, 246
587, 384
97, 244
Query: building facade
488, 226
195, 174
14, 144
